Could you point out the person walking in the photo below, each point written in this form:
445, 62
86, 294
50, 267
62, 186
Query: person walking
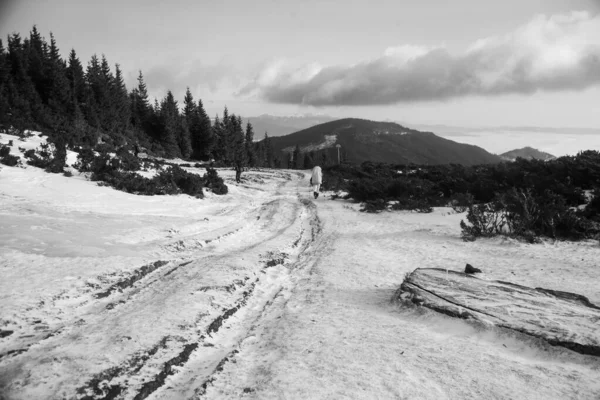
315, 180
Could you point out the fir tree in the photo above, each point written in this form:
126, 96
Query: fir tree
170, 126
120, 101
217, 130
308, 160
206, 141
296, 158
251, 155
76, 79
4, 77
58, 87
269, 151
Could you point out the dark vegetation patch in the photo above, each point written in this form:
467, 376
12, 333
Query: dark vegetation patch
526, 199
6, 158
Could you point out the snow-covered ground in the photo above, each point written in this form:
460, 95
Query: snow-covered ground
262, 293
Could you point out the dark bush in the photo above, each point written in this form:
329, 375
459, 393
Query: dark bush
68, 174
364, 189
4, 151
214, 182
85, 158
8, 159
485, 220
105, 148
189, 183
374, 206
592, 208
42, 158
421, 205
460, 202
128, 161
59, 155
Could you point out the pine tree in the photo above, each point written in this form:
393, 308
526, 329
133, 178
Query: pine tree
308, 160
296, 158
108, 114
183, 137
34, 67
206, 140
170, 126
23, 99
251, 155
140, 106
120, 101
95, 94
4, 77
239, 152
76, 79
59, 97
189, 106
218, 149
192, 120
270, 152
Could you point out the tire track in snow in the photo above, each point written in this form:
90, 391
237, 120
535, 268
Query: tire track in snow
96, 388
279, 225
204, 369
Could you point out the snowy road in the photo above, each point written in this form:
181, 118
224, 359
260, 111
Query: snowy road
264, 293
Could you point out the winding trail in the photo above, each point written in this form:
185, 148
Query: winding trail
291, 300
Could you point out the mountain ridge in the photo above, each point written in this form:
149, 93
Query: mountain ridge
365, 140
527, 153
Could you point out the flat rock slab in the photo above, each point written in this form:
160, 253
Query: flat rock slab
560, 318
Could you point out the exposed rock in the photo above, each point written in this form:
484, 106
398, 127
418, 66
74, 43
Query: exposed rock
560, 318
469, 269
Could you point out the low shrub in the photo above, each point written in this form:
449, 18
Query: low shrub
105, 148
4, 151
421, 205
522, 214
486, 220
214, 182
8, 159
85, 158
128, 161
40, 158
189, 183
374, 206
460, 202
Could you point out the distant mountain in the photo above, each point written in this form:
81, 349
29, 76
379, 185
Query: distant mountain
364, 140
279, 126
527, 153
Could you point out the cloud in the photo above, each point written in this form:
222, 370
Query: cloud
176, 77
550, 53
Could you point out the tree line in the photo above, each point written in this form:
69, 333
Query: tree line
79, 106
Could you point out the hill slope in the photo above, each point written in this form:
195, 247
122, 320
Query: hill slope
279, 126
364, 140
528, 153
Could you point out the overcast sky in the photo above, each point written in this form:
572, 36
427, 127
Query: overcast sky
459, 62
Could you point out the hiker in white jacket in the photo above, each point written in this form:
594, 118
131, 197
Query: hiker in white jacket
315, 180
